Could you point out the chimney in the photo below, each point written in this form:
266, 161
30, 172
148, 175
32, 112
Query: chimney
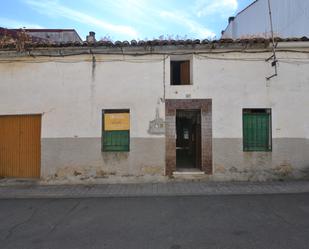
91, 37
231, 18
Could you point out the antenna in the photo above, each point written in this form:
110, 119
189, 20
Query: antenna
275, 61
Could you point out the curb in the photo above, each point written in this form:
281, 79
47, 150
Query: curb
152, 190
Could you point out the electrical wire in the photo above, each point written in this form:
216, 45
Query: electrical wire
199, 55
211, 51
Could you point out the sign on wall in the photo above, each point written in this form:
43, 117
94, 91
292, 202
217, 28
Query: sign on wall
116, 121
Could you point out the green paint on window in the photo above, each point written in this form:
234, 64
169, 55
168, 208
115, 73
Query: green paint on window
116, 141
257, 130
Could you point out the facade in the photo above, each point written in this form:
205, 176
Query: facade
56, 35
289, 19
42, 35
155, 109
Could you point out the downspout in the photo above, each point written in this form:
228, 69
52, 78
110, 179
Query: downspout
274, 57
164, 79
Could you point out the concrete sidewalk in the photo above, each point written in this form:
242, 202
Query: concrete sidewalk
152, 189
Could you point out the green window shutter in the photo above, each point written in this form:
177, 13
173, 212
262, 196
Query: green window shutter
116, 141
256, 132
116, 130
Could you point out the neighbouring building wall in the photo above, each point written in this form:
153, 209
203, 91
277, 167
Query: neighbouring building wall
289, 20
72, 91
71, 94
58, 36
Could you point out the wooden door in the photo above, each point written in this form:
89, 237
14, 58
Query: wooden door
185, 73
20, 146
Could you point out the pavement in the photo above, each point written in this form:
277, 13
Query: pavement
178, 222
184, 188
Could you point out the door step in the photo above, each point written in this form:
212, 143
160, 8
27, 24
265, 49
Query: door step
192, 172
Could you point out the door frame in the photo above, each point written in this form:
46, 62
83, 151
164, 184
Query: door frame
205, 105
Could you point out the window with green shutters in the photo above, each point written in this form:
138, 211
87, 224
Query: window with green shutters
116, 141
115, 130
257, 130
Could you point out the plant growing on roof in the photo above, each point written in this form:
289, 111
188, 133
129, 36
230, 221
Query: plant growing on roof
5, 39
22, 39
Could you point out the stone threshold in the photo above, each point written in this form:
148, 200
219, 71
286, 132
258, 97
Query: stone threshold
188, 172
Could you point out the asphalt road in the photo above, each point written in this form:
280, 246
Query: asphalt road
249, 222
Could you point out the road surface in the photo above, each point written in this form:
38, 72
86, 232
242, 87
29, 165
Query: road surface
235, 221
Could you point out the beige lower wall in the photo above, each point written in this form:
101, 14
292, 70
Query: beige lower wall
82, 157
288, 159
63, 157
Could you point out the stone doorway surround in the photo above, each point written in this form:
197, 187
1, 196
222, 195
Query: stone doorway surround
171, 105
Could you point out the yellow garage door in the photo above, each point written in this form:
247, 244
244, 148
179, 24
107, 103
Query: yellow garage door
20, 146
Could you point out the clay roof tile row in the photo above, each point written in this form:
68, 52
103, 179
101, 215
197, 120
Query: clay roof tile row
36, 43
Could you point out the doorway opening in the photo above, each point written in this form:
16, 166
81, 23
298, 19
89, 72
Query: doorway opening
188, 140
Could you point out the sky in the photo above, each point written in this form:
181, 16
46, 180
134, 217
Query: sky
125, 19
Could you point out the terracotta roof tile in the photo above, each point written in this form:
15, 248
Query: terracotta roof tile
36, 43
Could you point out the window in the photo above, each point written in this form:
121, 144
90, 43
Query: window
115, 130
180, 72
257, 130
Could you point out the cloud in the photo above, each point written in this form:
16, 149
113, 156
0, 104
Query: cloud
12, 23
224, 8
54, 8
141, 13
120, 18
194, 27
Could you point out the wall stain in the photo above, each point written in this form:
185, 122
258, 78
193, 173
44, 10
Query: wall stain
284, 170
92, 85
152, 170
114, 157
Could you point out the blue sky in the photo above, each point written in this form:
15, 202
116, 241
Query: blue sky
124, 19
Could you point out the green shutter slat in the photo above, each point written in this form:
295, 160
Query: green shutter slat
256, 131
116, 141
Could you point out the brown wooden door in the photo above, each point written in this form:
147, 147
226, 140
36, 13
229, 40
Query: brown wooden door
20, 146
185, 73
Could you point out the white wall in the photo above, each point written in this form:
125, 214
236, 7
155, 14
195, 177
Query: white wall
290, 19
237, 84
63, 90
72, 102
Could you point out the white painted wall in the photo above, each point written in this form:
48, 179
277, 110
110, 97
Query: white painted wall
71, 102
63, 90
290, 19
240, 82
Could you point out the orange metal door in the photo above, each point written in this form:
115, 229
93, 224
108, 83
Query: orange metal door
20, 146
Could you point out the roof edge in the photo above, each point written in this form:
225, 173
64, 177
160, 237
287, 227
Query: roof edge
45, 30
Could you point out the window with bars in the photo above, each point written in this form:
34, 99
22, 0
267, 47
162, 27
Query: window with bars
116, 130
257, 130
